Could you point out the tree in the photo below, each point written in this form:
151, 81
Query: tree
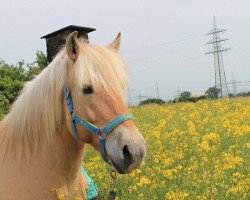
150, 101
36, 67
212, 93
4, 106
185, 96
41, 60
13, 77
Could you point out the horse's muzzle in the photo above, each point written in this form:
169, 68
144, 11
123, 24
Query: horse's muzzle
126, 150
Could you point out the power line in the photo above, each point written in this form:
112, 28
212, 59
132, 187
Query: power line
240, 49
164, 65
161, 44
159, 55
236, 64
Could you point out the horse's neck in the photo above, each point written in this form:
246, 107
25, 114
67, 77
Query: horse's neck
65, 152
61, 160
64, 155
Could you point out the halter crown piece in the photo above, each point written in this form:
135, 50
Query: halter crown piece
101, 132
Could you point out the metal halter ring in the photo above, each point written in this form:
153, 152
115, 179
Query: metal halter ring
72, 113
101, 133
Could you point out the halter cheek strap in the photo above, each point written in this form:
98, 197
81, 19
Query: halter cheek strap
101, 132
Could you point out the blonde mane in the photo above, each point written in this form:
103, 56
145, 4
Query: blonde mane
36, 116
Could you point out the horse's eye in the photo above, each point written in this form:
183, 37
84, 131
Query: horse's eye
87, 89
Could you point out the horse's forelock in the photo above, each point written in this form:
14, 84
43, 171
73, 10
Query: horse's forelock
101, 67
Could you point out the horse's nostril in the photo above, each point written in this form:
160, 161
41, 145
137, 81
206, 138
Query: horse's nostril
142, 154
127, 155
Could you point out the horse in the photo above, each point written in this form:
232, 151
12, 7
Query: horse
42, 144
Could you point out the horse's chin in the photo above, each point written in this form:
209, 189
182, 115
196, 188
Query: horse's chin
122, 168
116, 167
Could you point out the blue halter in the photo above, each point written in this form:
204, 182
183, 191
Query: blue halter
101, 132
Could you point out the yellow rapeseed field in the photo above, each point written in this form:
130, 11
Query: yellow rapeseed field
194, 151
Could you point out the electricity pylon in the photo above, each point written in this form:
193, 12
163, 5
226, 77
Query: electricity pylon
234, 86
220, 76
157, 90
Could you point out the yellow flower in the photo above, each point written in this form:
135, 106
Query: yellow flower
240, 188
144, 181
179, 155
210, 142
188, 145
231, 161
176, 195
168, 161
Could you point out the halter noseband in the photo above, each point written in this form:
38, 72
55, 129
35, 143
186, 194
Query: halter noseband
101, 132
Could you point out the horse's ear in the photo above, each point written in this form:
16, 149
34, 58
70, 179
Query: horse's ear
73, 46
115, 45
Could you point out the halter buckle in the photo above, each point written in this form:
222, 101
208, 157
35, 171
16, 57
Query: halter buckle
71, 115
101, 133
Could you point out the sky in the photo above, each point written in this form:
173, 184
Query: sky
163, 41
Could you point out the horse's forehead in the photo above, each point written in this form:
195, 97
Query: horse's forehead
101, 68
